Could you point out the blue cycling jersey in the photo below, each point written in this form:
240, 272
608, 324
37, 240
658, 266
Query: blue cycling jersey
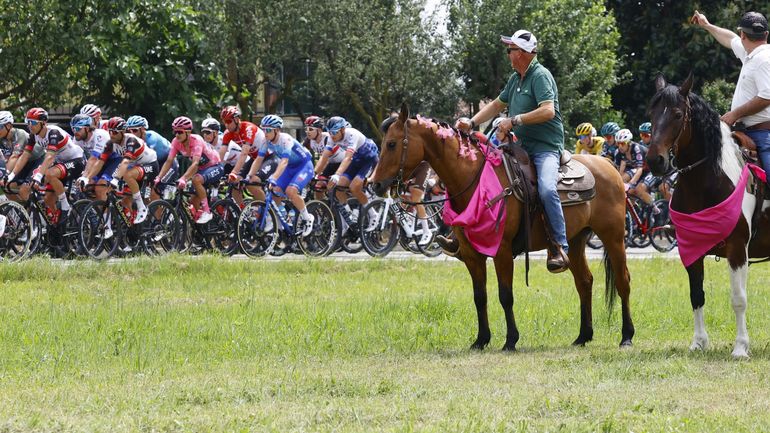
158, 143
287, 147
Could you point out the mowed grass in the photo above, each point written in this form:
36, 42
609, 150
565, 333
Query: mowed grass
207, 344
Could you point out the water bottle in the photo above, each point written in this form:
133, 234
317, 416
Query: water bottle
282, 212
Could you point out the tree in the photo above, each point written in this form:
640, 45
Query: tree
577, 42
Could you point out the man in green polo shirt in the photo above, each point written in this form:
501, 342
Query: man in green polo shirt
532, 100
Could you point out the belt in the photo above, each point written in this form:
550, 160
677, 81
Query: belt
759, 126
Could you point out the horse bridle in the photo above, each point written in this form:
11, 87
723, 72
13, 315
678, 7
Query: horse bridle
400, 175
673, 150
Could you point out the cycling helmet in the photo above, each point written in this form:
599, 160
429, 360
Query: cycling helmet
182, 122
211, 123
80, 121
36, 114
116, 124
623, 136
137, 122
497, 121
334, 124
91, 110
271, 121
314, 122
646, 128
584, 128
609, 128
5, 117
229, 113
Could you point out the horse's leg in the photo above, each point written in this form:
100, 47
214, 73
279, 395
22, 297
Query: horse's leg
615, 252
477, 266
584, 280
700, 338
739, 272
504, 270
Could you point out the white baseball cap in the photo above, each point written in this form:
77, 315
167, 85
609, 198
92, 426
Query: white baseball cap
523, 39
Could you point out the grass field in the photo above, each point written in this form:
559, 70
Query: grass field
206, 344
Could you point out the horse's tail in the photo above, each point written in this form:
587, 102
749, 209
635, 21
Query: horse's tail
610, 291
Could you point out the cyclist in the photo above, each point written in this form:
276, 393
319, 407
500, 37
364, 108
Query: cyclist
250, 138
608, 131
100, 165
139, 126
645, 132
629, 158
139, 163
331, 155
212, 134
23, 155
294, 171
95, 113
63, 162
205, 169
361, 155
587, 141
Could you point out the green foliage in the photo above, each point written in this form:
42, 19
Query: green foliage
577, 43
719, 93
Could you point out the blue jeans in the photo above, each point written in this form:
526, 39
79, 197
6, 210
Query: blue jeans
547, 166
762, 138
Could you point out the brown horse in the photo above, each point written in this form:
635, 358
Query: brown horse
407, 142
688, 135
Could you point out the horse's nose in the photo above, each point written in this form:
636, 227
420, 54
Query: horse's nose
380, 187
657, 164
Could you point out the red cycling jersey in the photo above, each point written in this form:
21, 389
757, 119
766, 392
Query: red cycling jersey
248, 133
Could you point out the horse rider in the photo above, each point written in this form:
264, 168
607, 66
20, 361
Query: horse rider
532, 99
751, 100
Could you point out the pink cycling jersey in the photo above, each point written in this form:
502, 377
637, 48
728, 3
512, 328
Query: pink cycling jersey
198, 147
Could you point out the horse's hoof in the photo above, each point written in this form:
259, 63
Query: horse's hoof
581, 341
740, 352
478, 346
699, 343
626, 344
509, 348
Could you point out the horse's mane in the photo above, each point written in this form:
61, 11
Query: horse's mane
705, 122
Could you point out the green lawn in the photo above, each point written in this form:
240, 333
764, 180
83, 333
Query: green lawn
206, 344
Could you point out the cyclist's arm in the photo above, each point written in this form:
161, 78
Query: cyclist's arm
637, 175
166, 167
93, 168
192, 169
280, 169
21, 162
256, 165
245, 148
344, 164
322, 163
47, 161
121, 170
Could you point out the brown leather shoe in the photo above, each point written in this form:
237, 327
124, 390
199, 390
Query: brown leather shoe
450, 245
557, 260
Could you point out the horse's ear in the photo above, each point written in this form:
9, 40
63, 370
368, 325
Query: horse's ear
687, 85
660, 82
404, 115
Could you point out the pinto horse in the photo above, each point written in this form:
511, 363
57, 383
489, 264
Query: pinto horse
407, 142
688, 135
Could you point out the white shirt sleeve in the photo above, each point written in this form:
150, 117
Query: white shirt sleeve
738, 49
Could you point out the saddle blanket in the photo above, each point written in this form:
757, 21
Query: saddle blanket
699, 232
477, 219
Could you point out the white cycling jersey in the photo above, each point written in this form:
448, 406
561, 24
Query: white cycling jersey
58, 141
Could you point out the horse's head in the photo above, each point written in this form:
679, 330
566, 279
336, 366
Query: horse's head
670, 114
400, 152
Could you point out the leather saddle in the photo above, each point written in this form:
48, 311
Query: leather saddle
576, 183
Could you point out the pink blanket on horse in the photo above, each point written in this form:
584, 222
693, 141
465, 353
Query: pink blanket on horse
698, 232
477, 219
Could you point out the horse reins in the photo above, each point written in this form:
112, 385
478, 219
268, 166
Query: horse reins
673, 150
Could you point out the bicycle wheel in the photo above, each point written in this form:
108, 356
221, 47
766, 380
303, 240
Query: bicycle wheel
662, 234
637, 237
71, 232
223, 228
256, 237
161, 229
37, 232
351, 241
435, 223
319, 241
96, 219
380, 241
15, 239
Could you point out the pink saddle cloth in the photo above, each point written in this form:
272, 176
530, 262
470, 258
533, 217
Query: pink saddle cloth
477, 219
699, 232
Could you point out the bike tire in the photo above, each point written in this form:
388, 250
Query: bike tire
160, 232
256, 241
319, 242
14, 245
224, 226
92, 226
380, 241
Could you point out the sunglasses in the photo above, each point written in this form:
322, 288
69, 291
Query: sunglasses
309, 129
115, 131
509, 50
134, 130
583, 136
31, 122
207, 132
645, 134
179, 131
268, 130
78, 128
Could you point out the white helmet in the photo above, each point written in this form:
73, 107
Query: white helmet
496, 122
5, 117
91, 110
623, 136
211, 123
